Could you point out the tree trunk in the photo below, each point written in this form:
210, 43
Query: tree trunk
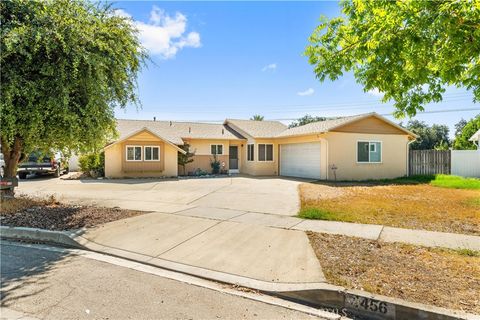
11, 154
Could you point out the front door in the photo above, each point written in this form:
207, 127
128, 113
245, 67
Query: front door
233, 158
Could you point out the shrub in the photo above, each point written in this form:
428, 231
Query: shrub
215, 164
93, 163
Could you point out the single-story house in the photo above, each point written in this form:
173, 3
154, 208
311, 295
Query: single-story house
366, 146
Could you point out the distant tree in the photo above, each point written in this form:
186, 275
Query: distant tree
257, 117
305, 120
459, 126
408, 50
461, 140
65, 66
184, 159
429, 137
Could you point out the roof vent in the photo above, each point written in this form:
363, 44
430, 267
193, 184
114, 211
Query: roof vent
154, 118
189, 129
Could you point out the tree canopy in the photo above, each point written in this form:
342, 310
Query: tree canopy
429, 137
66, 65
306, 119
408, 50
461, 141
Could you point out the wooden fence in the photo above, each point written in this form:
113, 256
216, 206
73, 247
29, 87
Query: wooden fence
429, 162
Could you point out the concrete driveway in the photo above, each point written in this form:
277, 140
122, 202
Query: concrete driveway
219, 225
225, 197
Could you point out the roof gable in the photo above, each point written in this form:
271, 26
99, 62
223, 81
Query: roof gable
140, 132
343, 122
369, 124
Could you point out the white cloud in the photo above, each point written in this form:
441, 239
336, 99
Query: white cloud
271, 66
307, 92
375, 92
164, 35
122, 13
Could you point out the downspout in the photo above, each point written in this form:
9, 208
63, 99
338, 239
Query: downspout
408, 154
326, 157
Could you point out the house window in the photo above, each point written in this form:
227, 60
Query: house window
134, 153
151, 153
265, 152
250, 152
216, 148
369, 151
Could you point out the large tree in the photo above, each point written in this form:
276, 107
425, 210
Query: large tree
65, 66
461, 141
429, 137
408, 50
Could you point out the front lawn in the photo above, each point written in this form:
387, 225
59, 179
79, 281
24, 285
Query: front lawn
440, 277
440, 203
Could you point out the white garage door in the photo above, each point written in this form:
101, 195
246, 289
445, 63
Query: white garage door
300, 160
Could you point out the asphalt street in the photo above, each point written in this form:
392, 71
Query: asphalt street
44, 284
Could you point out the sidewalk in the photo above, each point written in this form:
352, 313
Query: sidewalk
368, 231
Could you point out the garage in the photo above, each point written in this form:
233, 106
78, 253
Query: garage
300, 160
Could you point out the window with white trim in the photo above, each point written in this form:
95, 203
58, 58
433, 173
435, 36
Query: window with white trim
265, 152
216, 149
151, 153
369, 151
134, 153
250, 152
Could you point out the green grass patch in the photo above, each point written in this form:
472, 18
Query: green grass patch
316, 213
456, 182
438, 180
468, 252
474, 202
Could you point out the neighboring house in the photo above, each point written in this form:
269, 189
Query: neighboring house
360, 147
475, 138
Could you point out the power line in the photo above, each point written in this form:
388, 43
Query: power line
454, 97
383, 114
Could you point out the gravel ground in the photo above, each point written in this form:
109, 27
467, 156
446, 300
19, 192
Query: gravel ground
52, 215
437, 277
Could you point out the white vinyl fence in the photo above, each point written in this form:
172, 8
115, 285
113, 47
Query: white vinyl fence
466, 163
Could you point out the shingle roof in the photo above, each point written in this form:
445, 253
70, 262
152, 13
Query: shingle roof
317, 127
258, 129
175, 131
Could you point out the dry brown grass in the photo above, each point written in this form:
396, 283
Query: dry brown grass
420, 206
438, 277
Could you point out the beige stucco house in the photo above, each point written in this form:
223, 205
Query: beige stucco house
359, 147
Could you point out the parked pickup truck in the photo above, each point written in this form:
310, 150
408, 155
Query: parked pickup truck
38, 163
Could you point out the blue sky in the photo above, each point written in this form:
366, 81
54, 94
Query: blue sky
217, 60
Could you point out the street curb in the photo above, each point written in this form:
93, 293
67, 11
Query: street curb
63, 239
344, 302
